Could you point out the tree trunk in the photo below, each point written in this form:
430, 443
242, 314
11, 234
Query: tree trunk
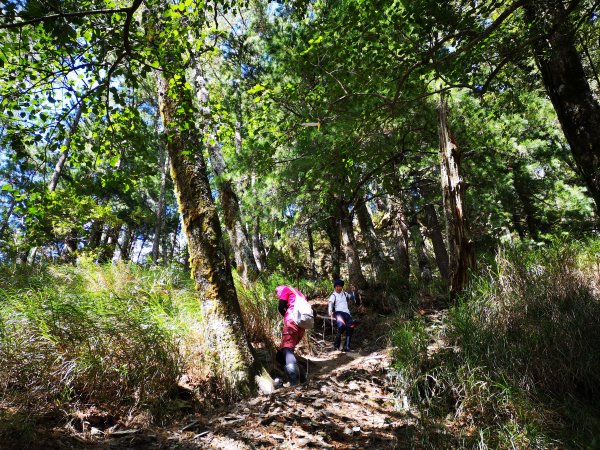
160, 209
434, 232
374, 249
65, 148
332, 230
244, 258
564, 78
522, 184
355, 273
401, 232
126, 242
109, 244
258, 249
232, 217
95, 236
7, 217
174, 242
460, 246
424, 273
311, 252
226, 338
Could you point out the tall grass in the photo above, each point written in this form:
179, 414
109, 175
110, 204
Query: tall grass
120, 338
520, 355
104, 335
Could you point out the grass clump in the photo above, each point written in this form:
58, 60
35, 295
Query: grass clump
90, 335
517, 359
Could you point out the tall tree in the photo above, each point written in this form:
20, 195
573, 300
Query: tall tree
226, 335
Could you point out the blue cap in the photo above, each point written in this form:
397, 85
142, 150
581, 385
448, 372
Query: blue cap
338, 282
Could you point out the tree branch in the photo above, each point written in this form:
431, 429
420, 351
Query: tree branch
51, 17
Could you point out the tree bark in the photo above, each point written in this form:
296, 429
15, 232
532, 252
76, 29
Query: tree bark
424, 273
332, 229
226, 337
434, 232
373, 244
311, 252
232, 216
460, 246
244, 258
7, 217
95, 235
401, 232
522, 185
258, 249
160, 209
567, 86
109, 243
125, 245
355, 273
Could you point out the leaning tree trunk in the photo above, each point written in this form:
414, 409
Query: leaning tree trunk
564, 78
226, 338
355, 273
460, 246
434, 232
374, 249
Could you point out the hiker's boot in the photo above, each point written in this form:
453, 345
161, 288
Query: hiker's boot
337, 342
293, 373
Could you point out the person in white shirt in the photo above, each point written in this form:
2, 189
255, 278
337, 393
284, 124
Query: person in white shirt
338, 307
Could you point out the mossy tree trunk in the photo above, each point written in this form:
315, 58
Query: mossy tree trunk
230, 352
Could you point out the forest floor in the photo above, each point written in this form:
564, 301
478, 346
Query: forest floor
345, 402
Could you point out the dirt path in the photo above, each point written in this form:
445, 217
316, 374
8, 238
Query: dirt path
345, 403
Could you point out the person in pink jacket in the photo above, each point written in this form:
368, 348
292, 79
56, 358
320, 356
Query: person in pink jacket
291, 333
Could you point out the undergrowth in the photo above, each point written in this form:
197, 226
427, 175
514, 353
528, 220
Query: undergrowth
122, 339
516, 362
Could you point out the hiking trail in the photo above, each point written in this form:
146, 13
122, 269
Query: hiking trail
346, 402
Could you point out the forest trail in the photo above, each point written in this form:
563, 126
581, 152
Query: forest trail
346, 402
